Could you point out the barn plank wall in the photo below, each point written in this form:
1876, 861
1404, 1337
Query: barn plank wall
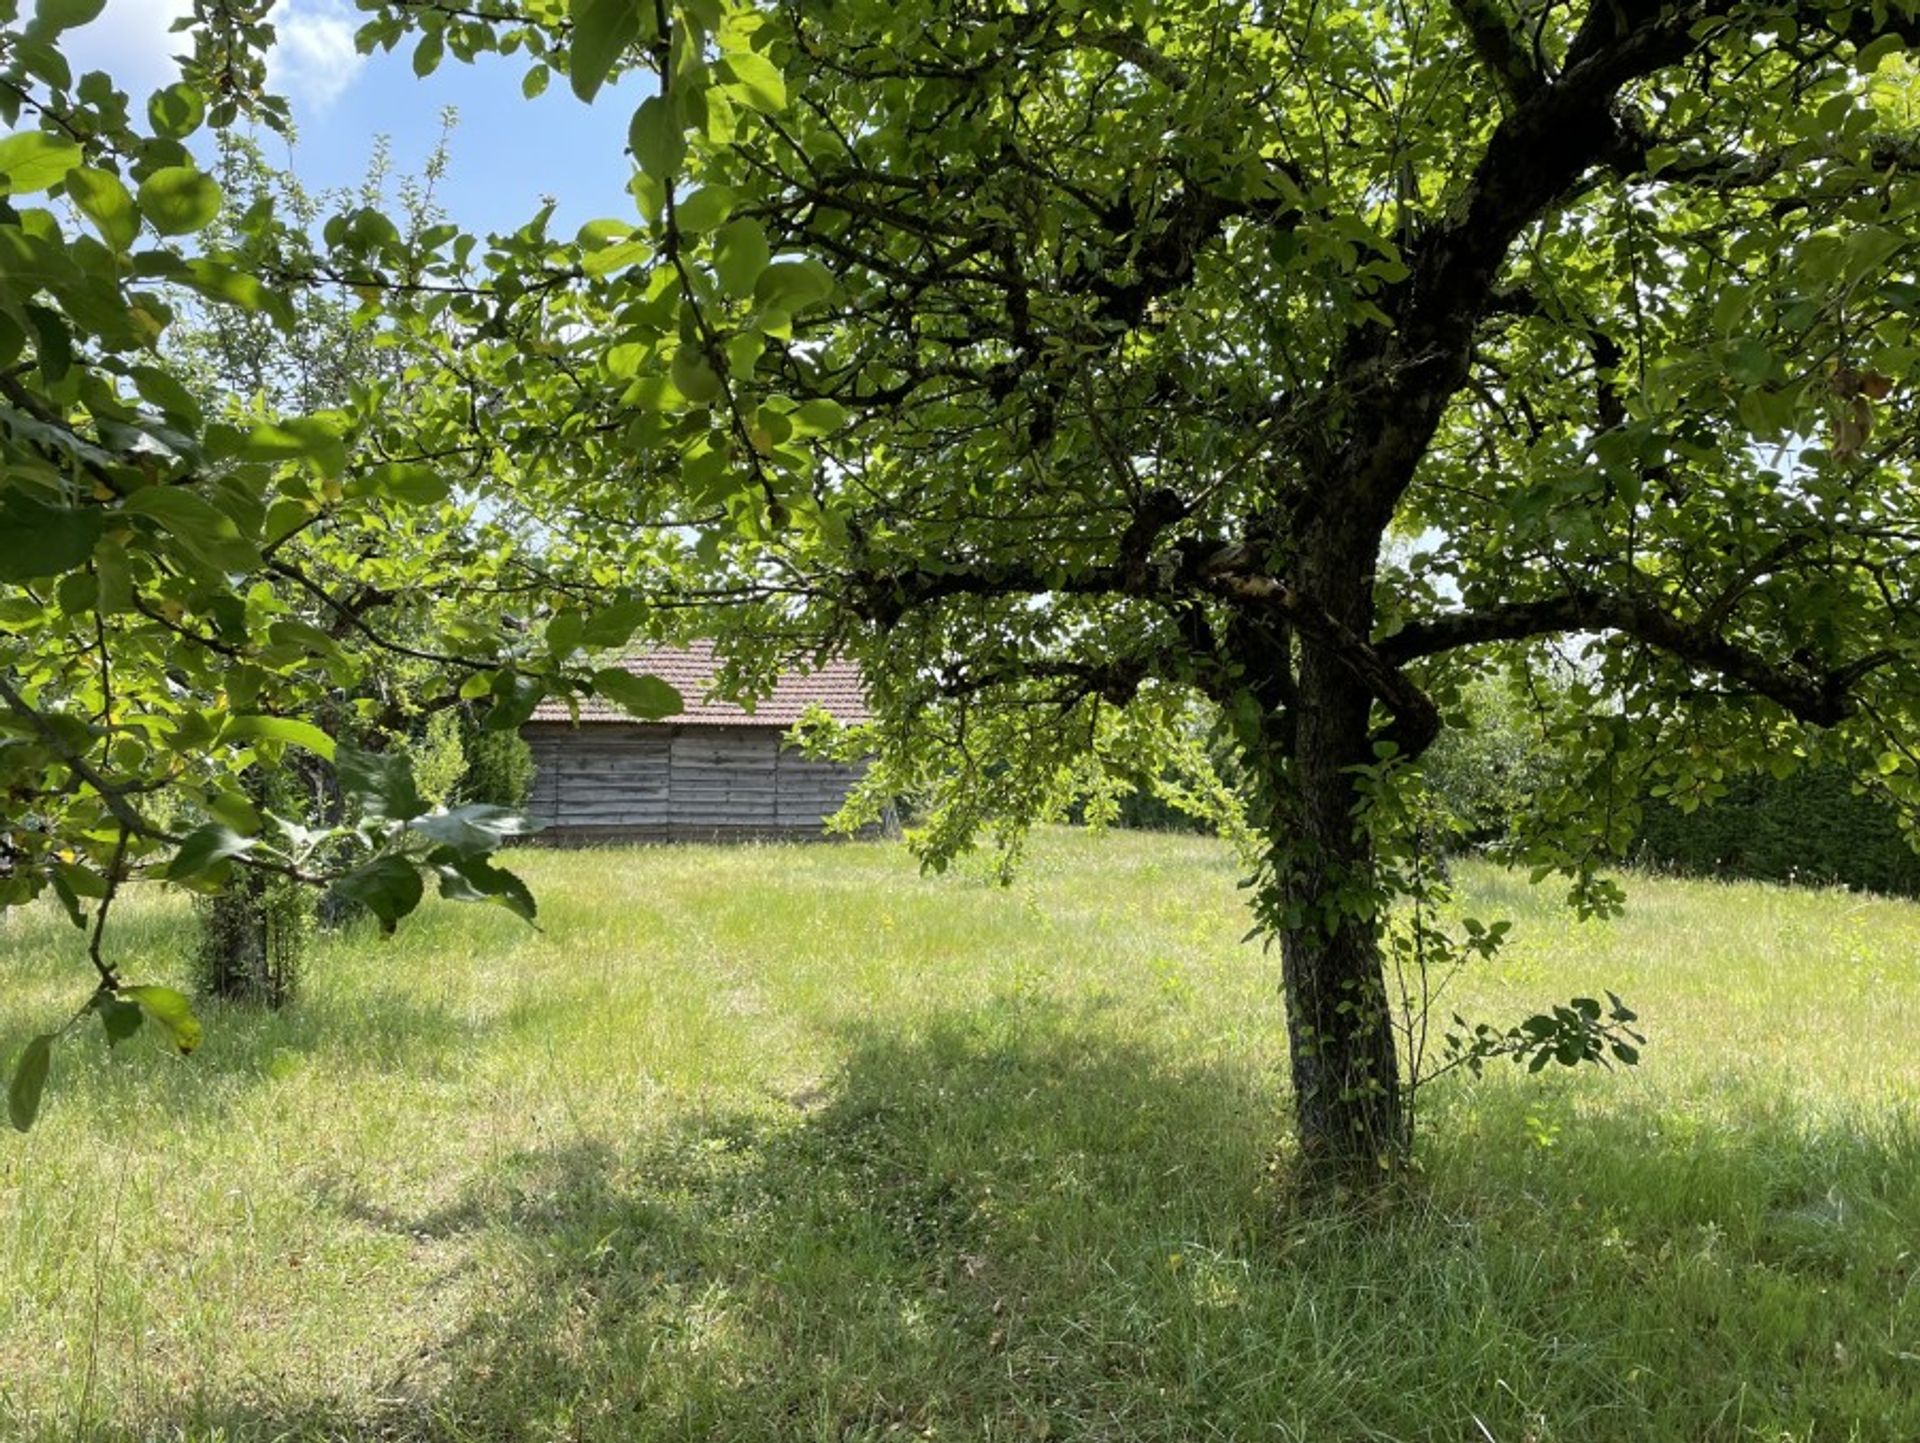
608, 782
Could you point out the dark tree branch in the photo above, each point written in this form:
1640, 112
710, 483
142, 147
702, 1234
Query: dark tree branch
1821, 698
1499, 48
348, 614
883, 596
1405, 378
1132, 47
112, 797
1112, 681
1416, 720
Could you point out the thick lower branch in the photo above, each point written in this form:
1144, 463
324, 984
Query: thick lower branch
1416, 720
1821, 698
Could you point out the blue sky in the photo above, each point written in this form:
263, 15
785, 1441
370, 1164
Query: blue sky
507, 152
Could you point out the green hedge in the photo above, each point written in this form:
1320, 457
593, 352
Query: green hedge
1810, 827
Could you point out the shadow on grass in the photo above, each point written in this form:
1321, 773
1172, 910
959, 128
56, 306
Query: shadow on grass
1015, 1226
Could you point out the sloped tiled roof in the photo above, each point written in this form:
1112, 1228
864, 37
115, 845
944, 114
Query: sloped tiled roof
690, 671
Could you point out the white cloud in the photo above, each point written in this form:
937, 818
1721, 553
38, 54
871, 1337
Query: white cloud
314, 61
131, 41
312, 64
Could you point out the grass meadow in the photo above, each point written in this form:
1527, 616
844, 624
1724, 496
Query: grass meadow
797, 1144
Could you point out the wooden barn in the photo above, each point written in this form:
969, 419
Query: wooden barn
715, 772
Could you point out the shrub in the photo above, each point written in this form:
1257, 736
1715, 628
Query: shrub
1487, 767
439, 756
499, 769
1815, 826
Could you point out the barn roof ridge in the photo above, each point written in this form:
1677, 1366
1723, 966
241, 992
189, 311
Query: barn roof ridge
835, 684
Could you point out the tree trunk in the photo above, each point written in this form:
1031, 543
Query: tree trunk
1346, 1071
1353, 1128
246, 953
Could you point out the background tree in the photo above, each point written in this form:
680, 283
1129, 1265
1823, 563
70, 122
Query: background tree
236, 362
189, 588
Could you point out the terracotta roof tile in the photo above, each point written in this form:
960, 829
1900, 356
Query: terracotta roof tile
690, 670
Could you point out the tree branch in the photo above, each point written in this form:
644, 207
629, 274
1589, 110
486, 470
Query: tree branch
1405, 377
1498, 47
1132, 47
1821, 698
1416, 720
116, 802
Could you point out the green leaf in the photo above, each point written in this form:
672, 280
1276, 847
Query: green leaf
706, 208
740, 254
29, 1081
37, 540
515, 696
205, 848
616, 257
163, 391
304, 635
602, 30
203, 527
171, 1010
280, 729
178, 200
63, 889
119, 1017
223, 283
177, 111
182, 508
756, 80
381, 782
405, 481
82, 881
298, 438
236, 811
66, 14
103, 200
473, 879
792, 286
564, 631
388, 887
472, 830
426, 55
34, 161
657, 140
818, 417
646, 697
614, 625
694, 376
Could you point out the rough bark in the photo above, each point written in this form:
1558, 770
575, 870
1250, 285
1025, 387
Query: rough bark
238, 957
1346, 1078
1351, 1125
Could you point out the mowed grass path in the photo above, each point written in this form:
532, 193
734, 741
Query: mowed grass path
798, 1144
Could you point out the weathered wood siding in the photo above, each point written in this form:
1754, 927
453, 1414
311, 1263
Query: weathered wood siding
613, 782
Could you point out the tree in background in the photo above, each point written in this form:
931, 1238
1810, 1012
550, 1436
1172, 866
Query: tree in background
1488, 769
198, 584
499, 768
1062, 363
1787, 819
240, 363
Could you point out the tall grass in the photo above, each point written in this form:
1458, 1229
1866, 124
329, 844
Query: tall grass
796, 1144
